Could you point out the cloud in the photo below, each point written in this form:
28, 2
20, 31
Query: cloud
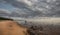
5, 11
26, 2
35, 8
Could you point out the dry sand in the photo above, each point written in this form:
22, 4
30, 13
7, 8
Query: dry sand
11, 28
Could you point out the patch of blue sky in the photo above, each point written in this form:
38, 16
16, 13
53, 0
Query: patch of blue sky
6, 6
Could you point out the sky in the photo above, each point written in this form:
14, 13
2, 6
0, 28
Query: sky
6, 6
30, 8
